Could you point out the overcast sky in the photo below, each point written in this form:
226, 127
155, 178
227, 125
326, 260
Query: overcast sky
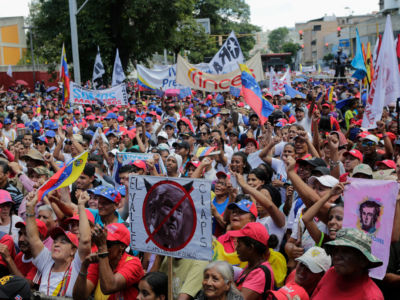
269, 14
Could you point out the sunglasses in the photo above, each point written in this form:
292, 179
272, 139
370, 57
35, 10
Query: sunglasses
368, 143
40, 143
203, 133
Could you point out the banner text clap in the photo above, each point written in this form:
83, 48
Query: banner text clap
171, 216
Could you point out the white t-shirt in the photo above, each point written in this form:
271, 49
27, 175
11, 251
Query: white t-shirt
306, 123
273, 229
14, 231
10, 134
43, 262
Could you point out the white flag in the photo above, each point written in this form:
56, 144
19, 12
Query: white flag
286, 78
118, 73
276, 84
98, 69
375, 54
9, 71
96, 135
385, 85
227, 58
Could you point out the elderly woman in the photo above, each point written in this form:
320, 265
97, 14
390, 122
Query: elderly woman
218, 283
173, 164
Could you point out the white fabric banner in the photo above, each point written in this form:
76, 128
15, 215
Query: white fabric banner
385, 85
158, 78
9, 72
189, 75
369, 205
118, 75
171, 216
113, 96
227, 58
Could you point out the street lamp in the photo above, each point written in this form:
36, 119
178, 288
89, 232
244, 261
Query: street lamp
32, 55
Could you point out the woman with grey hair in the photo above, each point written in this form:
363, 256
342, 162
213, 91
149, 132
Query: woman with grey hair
218, 283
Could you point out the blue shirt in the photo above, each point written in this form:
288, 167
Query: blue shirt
97, 218
220, 209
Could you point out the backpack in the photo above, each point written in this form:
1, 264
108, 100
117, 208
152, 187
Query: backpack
268, 278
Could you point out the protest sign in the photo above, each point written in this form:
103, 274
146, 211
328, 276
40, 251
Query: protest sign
369, 205
276, 84
171, 216
113, 96
129, 157
162, 77
189, 75
227, 58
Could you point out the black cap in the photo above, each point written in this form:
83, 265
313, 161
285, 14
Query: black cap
253, 115
315, 162
183, 144
14, 287
321, 170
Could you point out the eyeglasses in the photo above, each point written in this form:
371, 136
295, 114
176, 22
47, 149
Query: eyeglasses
112, 243
68, 142
220, 183
203, 133
368, 143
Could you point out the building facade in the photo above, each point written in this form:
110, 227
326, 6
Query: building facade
12, 40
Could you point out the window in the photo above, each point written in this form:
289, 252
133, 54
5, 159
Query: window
314, 42
317, 28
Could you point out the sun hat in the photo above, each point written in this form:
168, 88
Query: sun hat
254, 230
316, 260
357, 239
325, 180
290, 291
245, 205
362, 169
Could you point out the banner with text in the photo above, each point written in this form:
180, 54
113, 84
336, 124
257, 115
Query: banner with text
189, 75
163, 77
171, 216
369, 205
113, 96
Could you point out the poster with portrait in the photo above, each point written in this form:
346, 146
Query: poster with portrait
369, 205
171, 216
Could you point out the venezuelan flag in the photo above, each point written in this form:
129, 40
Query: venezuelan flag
330, 94
67, 175
64, 76
253, 96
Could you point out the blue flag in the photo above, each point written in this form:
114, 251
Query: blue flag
235, 92
358, 60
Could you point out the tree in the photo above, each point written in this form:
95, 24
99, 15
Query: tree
328, 58
292, 48
138, 28
277, 38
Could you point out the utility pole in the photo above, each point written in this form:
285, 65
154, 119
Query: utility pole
32, 55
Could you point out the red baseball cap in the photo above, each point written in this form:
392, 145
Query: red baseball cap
251, 140
254, 230
76, 217
118, 232
88, 109
388, 163
70, 236
355, 153
290, 291
77, 112
91, 117
120, 118
195, 164
140, 164
40, 225
326, 105
223, 174
241, 104
5, 197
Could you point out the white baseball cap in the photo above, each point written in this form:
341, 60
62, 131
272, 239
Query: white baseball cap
325, 180
316, 260
163, 134
372, 138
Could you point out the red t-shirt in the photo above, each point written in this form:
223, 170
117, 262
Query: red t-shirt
9, 242
333, 286
130, 267
26, 268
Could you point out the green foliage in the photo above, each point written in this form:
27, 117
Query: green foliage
328, 58
277, 38
138, 28
292, 48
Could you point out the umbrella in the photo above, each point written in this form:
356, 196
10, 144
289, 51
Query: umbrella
52, 88
22, 82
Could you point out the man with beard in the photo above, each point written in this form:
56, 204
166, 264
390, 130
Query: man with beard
22, 264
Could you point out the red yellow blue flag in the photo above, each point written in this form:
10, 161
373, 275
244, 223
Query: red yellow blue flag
253, 96
65, 176
64, 76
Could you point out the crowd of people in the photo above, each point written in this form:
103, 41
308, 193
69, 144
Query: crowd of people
276, 199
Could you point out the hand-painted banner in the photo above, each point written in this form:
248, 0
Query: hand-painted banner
113, 96
162, 77
276, 84
369, 205
171, 216
189, 75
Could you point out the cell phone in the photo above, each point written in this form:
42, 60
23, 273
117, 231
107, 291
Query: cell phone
286, 184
